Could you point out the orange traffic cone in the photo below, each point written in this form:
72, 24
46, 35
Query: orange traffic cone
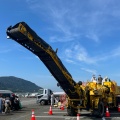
119, 107
78, 116
33, 115
62, 107
50, 111
107, 114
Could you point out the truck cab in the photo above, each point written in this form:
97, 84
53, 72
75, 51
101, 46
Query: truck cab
43, 96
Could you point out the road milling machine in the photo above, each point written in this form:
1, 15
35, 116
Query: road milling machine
92, 96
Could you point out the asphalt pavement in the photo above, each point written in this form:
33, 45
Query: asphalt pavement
42, 113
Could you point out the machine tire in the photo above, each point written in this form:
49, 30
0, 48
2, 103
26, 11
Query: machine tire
42, 102
71, 111
100, 111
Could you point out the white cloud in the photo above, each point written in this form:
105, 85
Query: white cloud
68, 20
70, 61
62, 38
89, 71
116, 52
71, 20
79, 53
93, 37
79, 19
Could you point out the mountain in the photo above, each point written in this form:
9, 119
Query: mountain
17, 84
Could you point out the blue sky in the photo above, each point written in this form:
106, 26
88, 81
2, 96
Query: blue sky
86, 33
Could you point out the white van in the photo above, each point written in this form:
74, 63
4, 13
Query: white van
6, 93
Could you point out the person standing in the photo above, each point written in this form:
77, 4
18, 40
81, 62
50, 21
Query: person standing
104, 80
16, 101
56, 100
7, 105
100, 79
93, 79
52, 99
3, 104
12, 99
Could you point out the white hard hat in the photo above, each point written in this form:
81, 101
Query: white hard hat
106, 77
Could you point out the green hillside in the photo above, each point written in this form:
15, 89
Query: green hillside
17, 84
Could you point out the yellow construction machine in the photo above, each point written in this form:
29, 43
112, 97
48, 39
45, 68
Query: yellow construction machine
95, 97
92, 96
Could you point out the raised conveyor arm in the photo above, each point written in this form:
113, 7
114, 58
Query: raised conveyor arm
25, 36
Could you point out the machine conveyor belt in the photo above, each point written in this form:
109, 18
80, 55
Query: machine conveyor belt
25, 36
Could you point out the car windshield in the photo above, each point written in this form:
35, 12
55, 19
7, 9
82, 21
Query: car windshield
4, 95
40, 91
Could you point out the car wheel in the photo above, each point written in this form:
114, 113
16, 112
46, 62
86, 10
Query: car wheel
42, 102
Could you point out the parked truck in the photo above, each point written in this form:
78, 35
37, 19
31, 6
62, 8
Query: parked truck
92, 96
43, 97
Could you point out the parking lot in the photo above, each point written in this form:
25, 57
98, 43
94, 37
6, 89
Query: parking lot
41, 113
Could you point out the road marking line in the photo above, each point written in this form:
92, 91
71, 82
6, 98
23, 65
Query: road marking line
56, 112
66, 112
56, 109
23, 116
56, 117
70, 117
